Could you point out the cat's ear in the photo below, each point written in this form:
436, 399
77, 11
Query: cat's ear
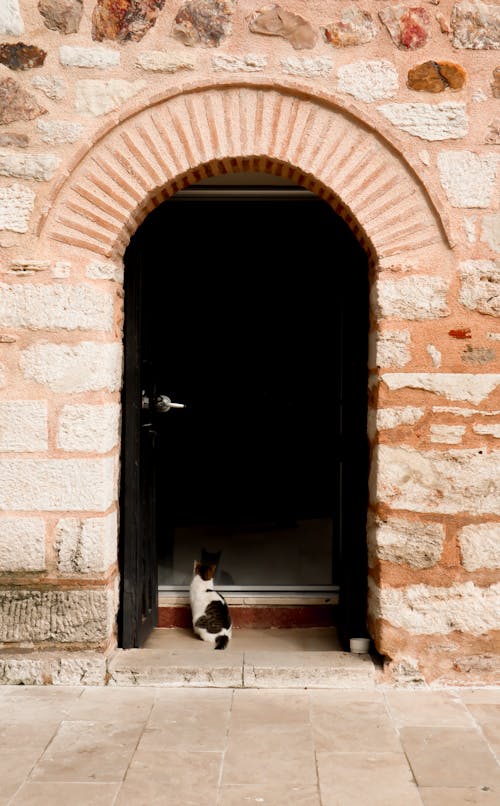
196, 567
211, 570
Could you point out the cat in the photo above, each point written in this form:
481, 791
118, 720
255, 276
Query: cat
210, 613
221, 577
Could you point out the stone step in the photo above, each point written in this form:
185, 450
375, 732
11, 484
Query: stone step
235, 669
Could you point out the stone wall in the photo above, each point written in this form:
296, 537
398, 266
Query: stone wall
390, 113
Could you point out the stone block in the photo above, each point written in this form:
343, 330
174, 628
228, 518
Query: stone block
11, 22
23, 425
21, 56
429, 610
409, 27
436, 76
480, 546
91, 428
349, 26
160, 61
475, 25
61, 616
53, 485
324, 670
94, 97
86, 545
452, 385
158, 667
415, 298
58, 132
414, 543
15, 139
306, 67
61, 270
16, 206
22, 544
447, 434
390, 349
61, 15
100, 270
435, 354
448, 482
42, 668
84, 367
40, 167
368, 80
467, 178
55, 306
491, 430
204, 22
490, 233
480, 286
102, 58
53, 87
3, 377
123, 22
247, 63
397, 416
274, 20
15, 103
444, 121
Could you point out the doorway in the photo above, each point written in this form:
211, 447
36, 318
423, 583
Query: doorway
246, 303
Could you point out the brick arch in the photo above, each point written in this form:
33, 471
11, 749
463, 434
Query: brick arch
206, 131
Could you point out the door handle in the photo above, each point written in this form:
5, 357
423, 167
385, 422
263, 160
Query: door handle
164, 404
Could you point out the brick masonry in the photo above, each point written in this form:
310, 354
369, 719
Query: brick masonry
128, 109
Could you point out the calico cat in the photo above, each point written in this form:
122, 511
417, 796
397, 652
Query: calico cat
211, 618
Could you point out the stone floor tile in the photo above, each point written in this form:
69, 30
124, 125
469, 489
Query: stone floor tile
350, 725
63, 794
264, 707
203, 668
268, 754
37, 705
269, 795
485, 712
188, 718
427, 708
108, 704
173, 777
89, 751
356, 779
15, 767
448, 757
440, 796
479, 695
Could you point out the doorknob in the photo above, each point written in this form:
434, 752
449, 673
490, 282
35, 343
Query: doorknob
164, 404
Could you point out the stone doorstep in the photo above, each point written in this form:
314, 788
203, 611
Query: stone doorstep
233, 669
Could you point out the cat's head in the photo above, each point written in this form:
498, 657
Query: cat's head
205, 571
210, 557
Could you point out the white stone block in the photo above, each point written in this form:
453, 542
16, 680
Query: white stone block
480, 546
414, 298
91, 428
306, 66
247, 63
480, 286
389, 349
53, 87
492, 430
64, 616
22, 544
3, 377
467, 178
57, 132
100, 270
430, 610
443, 121
159, 61
103, 58
368, 80
94, 97
405, 542
451, 481
40, 167
11, 22
491, 231
61, 270
447, 434
53, 485
452, 385
435, 354
55, 306
16, 206
58, 669
86, 545
85, 367
397, 416
460, 412
23, 425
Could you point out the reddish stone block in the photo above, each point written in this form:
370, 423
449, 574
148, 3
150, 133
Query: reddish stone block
123, 20
21, 56
436, 77
409, 27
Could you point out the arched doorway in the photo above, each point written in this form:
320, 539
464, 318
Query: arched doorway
256, 318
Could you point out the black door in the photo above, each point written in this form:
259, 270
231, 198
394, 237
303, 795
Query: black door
253, 314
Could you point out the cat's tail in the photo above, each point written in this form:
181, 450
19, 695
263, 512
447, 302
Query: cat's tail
221, 642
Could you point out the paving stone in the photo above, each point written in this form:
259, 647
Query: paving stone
380, 779
426, 708
268, 754
345, 724
457, 796
188, 719
269, 794
78, 794
183, 774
